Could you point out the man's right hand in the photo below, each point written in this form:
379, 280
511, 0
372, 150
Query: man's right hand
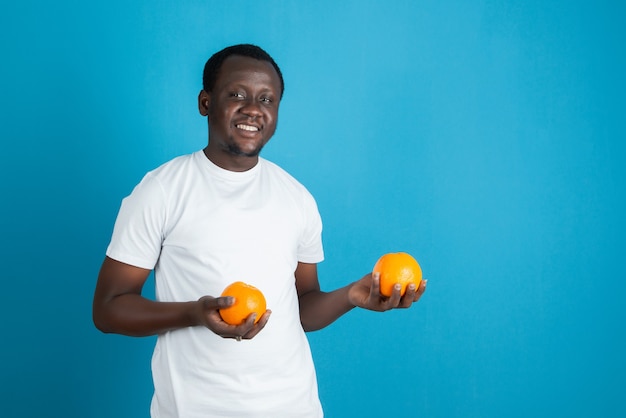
208, 315
119, 307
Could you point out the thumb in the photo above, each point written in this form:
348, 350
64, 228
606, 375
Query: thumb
209, 302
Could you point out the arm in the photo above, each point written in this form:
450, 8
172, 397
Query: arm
118, 307
319, 309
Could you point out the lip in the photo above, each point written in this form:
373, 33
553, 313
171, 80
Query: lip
248, 123
248, 129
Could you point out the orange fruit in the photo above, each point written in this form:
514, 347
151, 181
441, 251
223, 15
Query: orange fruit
397, 268
248, 300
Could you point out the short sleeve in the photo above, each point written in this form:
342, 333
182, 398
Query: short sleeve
138, 231
310, 248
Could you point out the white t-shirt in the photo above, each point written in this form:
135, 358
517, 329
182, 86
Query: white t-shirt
201, 228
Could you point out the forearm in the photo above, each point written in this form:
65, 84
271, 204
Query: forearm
319, 309
133, 315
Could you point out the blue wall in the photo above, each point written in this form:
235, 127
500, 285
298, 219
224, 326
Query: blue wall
486, 138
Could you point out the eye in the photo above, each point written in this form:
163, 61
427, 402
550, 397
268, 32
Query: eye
237, 95
266, 100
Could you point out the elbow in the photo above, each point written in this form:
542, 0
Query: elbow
312, 315
100, 321
99, 324
311, 329
309, 325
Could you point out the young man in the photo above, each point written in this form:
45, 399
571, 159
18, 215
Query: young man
205, 220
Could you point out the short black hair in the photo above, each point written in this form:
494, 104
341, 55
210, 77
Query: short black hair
214, 64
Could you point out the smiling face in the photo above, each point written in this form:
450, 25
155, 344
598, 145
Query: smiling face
242, 109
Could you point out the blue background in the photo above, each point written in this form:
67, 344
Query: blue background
486, 138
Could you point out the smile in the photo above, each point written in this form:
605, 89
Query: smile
248, 128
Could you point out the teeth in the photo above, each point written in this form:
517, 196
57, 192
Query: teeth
248, 128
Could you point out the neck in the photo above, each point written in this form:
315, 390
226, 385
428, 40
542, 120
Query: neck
230, 161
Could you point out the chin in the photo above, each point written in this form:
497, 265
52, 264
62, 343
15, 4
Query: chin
235, 150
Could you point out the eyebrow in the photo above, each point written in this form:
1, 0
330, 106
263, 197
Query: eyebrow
239, 85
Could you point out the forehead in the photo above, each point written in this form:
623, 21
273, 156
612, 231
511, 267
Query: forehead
240, 69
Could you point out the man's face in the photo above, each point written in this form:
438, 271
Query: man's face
242, 110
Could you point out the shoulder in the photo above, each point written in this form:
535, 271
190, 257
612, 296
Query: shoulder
174, 172
288, 185
166, 178
174, 166
278, 174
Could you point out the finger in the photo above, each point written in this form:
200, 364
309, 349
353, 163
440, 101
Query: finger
408, 297
249, 322
215, 322
237, 332
217, 303
375, 287
264, 318
222, 328
258, 326
420, 290
249, 329
208, 313
394, 299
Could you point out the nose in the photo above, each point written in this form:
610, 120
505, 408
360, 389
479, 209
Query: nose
251, 108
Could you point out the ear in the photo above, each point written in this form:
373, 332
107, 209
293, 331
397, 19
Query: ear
204, 100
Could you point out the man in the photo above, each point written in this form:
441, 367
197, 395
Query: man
205, 220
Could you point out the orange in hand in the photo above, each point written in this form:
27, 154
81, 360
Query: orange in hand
248, 300
396, 268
